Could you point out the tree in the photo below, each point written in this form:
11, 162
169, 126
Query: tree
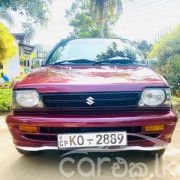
81, 21
167, 51
144, 47
105, 11
79, 16
171, 72
7, 47
83, 26
29, 32
113, 51
168, 45
6, 16
23, 57
36, 10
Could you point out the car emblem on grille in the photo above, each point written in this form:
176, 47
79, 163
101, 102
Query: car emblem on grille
90, 100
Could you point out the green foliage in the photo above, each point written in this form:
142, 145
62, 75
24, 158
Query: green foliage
171, 72
144, 47
175, 99
29, 31
7, 47
112, 51
36, 10
5, 100
23, 57
105, 12
167, 51
84, 23
6, 16
168, 45
6, 93
33, 55
83, 26
153, 63
36, 64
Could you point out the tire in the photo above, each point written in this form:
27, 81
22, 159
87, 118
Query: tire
158, 152
27, 153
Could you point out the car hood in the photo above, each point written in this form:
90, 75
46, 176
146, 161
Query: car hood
90, 79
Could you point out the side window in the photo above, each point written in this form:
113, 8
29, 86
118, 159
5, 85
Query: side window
137, 54
57, 55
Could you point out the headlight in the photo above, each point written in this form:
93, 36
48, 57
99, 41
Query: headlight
155, 97
26, 99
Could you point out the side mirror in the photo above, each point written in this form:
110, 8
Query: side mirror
152, 63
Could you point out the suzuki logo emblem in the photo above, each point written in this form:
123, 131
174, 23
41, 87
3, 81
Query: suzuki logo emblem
90, 100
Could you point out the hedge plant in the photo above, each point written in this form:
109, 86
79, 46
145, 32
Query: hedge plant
5, 100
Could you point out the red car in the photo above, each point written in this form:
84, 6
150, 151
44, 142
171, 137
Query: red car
92, 94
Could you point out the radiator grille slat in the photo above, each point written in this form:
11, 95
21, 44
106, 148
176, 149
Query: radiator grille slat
91, 100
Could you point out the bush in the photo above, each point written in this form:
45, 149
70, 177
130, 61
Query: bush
171, 72
167, 51
6, 93
7, 47
5, 100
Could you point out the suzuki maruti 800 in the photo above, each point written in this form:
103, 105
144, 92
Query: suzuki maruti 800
92, 94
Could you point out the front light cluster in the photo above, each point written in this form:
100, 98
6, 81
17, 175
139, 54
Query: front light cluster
26, 99
155, 97
151, 97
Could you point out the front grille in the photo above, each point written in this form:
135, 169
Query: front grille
58, 130
50, 133
91, 100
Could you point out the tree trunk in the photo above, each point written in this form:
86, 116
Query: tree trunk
101, 29
1, 67
106, 19
101, 18
106, 28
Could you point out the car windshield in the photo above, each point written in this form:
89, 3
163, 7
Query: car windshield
96, 51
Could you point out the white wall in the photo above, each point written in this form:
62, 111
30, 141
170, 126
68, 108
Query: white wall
13, 67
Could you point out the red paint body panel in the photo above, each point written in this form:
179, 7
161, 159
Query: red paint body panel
114, 119
91, 79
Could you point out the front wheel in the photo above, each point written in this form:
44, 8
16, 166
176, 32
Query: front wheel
158, 152
27, 153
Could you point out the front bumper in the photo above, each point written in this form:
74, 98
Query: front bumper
128, 148
45, 140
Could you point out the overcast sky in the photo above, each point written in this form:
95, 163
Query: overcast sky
141, 19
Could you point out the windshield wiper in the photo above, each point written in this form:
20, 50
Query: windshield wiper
79, 61
116, 61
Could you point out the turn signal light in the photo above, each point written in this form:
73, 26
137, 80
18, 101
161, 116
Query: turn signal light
30, 129
154, 128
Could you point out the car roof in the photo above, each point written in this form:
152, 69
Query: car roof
88, 38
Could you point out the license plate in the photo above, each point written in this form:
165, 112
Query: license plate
92, 139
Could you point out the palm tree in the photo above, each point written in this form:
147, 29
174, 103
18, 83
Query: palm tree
6, 16
104, 11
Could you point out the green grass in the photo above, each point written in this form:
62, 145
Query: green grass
176, 99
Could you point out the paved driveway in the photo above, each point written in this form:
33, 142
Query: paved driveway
45, 166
